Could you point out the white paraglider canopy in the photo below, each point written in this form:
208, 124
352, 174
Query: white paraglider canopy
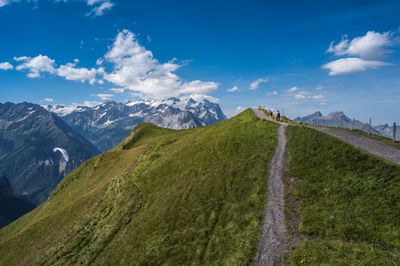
63, 152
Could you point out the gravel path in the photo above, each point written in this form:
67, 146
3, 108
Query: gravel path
373, 146
273, 239
260, 114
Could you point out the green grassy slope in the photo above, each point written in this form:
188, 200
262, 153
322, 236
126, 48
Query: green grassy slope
160, 197
348, 202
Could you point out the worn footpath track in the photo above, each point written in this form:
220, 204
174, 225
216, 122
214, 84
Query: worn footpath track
272, 243
373, 146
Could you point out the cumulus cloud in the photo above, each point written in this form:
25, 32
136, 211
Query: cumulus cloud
371, 46
293, 89
240, 109
36, 65
198, 86
306, 96
129, 66
103, 7
318, 97
351, 65
201, 98
299, 96
105, 96
235, 88
136, 69
4, 2
365, 51
272, 93
98, 7
49, 100
70, 72
6, 66
255, 84
44, 64
21, 58
117, 90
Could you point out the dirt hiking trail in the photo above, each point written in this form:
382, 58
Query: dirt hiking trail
272, 243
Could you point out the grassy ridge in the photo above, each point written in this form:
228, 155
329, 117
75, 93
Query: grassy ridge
160, 197
350, 202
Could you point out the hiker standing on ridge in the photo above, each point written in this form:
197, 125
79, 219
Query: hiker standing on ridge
278, 116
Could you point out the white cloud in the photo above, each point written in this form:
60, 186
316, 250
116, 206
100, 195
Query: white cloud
98, 6
117, 90
235, 88
49, 99
4, 2
293, 89
88, 103
105, 96
304, 96
318, 97
318, 88
255, 84
92, 2
201, 98
365, 51
198, 86
272, 93
70, 72
99, 10
351, 65
370, 46
6, 66
21, 58
239, 109
136, 69
299, 96
133, 68
36, 65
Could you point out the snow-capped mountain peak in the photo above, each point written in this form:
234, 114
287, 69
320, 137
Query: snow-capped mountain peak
108, 123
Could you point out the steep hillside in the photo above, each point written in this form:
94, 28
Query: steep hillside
159, 197
28, 136
342, 201
11, 207
108, 123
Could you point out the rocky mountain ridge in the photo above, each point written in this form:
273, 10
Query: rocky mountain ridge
108, 123
28, 136
337, 118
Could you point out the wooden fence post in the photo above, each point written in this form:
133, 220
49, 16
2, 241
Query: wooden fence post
352, 125
326, 122
341, 120
394, 131
369, 128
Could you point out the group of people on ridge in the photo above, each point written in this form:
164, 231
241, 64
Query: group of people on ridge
278, 115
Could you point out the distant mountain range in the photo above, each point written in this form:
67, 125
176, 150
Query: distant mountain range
108, 123
28, 136
40, 145
334, 119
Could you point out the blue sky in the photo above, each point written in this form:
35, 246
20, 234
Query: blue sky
300, 56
